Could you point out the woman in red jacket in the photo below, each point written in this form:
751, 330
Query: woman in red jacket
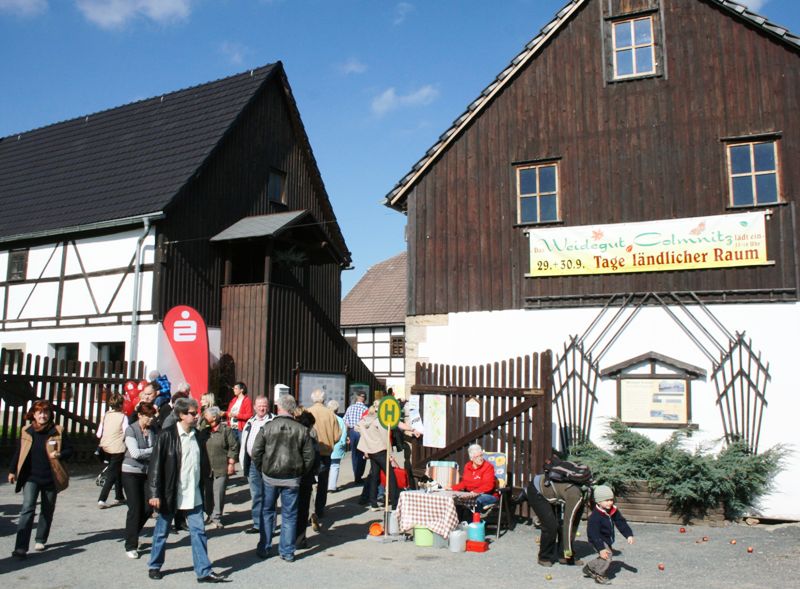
478, 477
240, 409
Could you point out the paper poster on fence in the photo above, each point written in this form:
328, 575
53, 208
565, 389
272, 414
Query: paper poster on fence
435, 435
414, 417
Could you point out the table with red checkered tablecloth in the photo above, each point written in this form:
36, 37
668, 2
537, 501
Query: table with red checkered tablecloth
435, 511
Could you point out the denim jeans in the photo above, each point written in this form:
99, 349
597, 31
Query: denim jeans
197, 532
484, 500
30, 492
288, 497
256, 493
333, 477
359, 462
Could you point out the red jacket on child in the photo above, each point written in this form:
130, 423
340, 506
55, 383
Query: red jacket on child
477, 479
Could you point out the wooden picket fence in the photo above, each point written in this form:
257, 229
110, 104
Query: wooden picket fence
77, 391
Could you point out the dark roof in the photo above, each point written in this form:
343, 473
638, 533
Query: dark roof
653, 358
120, 163
259, 226
397, 196
379, 298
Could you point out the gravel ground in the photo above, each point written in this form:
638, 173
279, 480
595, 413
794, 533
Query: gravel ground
86, 548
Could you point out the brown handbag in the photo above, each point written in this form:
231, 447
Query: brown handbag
60, 474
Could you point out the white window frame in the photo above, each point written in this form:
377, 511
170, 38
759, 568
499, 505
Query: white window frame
753, 174
633, 47
538, 194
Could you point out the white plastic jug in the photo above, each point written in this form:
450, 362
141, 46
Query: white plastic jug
458, 540
394, 525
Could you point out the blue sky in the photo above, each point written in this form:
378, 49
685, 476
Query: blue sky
376, 81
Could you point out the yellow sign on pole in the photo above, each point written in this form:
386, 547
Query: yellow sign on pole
389, 412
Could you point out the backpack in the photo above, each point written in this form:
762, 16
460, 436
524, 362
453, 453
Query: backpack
564, 471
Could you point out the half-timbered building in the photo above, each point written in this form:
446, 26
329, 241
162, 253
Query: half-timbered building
624, 193
373, 321
209, 197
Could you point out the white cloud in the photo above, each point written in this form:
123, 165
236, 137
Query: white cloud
24, 7
754, 5
235, 52
352, 66
112, 14
401, 11
389, 100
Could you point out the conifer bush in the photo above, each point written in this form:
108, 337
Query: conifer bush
693, 482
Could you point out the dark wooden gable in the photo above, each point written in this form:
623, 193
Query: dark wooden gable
628, 151
267, 137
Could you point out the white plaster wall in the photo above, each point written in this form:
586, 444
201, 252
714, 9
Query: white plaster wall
107, 251
477, 338
44, 261
96, 254
38, 341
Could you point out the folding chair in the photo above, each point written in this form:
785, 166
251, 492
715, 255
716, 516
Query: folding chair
503, 507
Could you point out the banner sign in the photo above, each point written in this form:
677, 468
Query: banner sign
698, 243
188, 337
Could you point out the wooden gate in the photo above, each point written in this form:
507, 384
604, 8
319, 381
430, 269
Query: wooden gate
514, 412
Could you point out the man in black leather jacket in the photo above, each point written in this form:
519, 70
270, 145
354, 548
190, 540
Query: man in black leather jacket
176, 476
283, 452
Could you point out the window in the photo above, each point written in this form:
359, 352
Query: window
110, 351
67, 353
537, 190
398, 346
634, 47
17, 265
753, 173
276, 187
13, 356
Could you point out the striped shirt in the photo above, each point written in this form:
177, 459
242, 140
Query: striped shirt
353, 414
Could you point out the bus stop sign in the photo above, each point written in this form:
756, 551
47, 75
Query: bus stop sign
389, 412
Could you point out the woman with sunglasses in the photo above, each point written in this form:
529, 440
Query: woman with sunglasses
140, 437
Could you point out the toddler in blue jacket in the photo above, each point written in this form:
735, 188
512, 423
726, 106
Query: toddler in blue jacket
605, 516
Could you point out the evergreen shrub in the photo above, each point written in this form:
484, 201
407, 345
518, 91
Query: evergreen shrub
693, 482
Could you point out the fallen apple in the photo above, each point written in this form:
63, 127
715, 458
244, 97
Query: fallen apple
705, 538
682, 530
749, 550
733, 541
548, 577
661, 566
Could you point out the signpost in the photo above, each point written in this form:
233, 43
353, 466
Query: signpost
389, 416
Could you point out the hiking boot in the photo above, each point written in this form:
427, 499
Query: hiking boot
545, 563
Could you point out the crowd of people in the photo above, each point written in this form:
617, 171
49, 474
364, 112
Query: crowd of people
171, 458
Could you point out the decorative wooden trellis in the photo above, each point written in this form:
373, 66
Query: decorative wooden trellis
574, 381
741, 379
739, 374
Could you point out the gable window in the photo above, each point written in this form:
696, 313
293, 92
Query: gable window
634, 47
537, 193
753, 173
276, 187
17, 265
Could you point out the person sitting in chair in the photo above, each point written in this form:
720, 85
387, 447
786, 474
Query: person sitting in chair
479, 478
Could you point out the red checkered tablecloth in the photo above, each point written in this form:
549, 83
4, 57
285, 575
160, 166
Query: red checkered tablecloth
435, 511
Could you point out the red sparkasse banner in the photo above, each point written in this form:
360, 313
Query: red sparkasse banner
188, 336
